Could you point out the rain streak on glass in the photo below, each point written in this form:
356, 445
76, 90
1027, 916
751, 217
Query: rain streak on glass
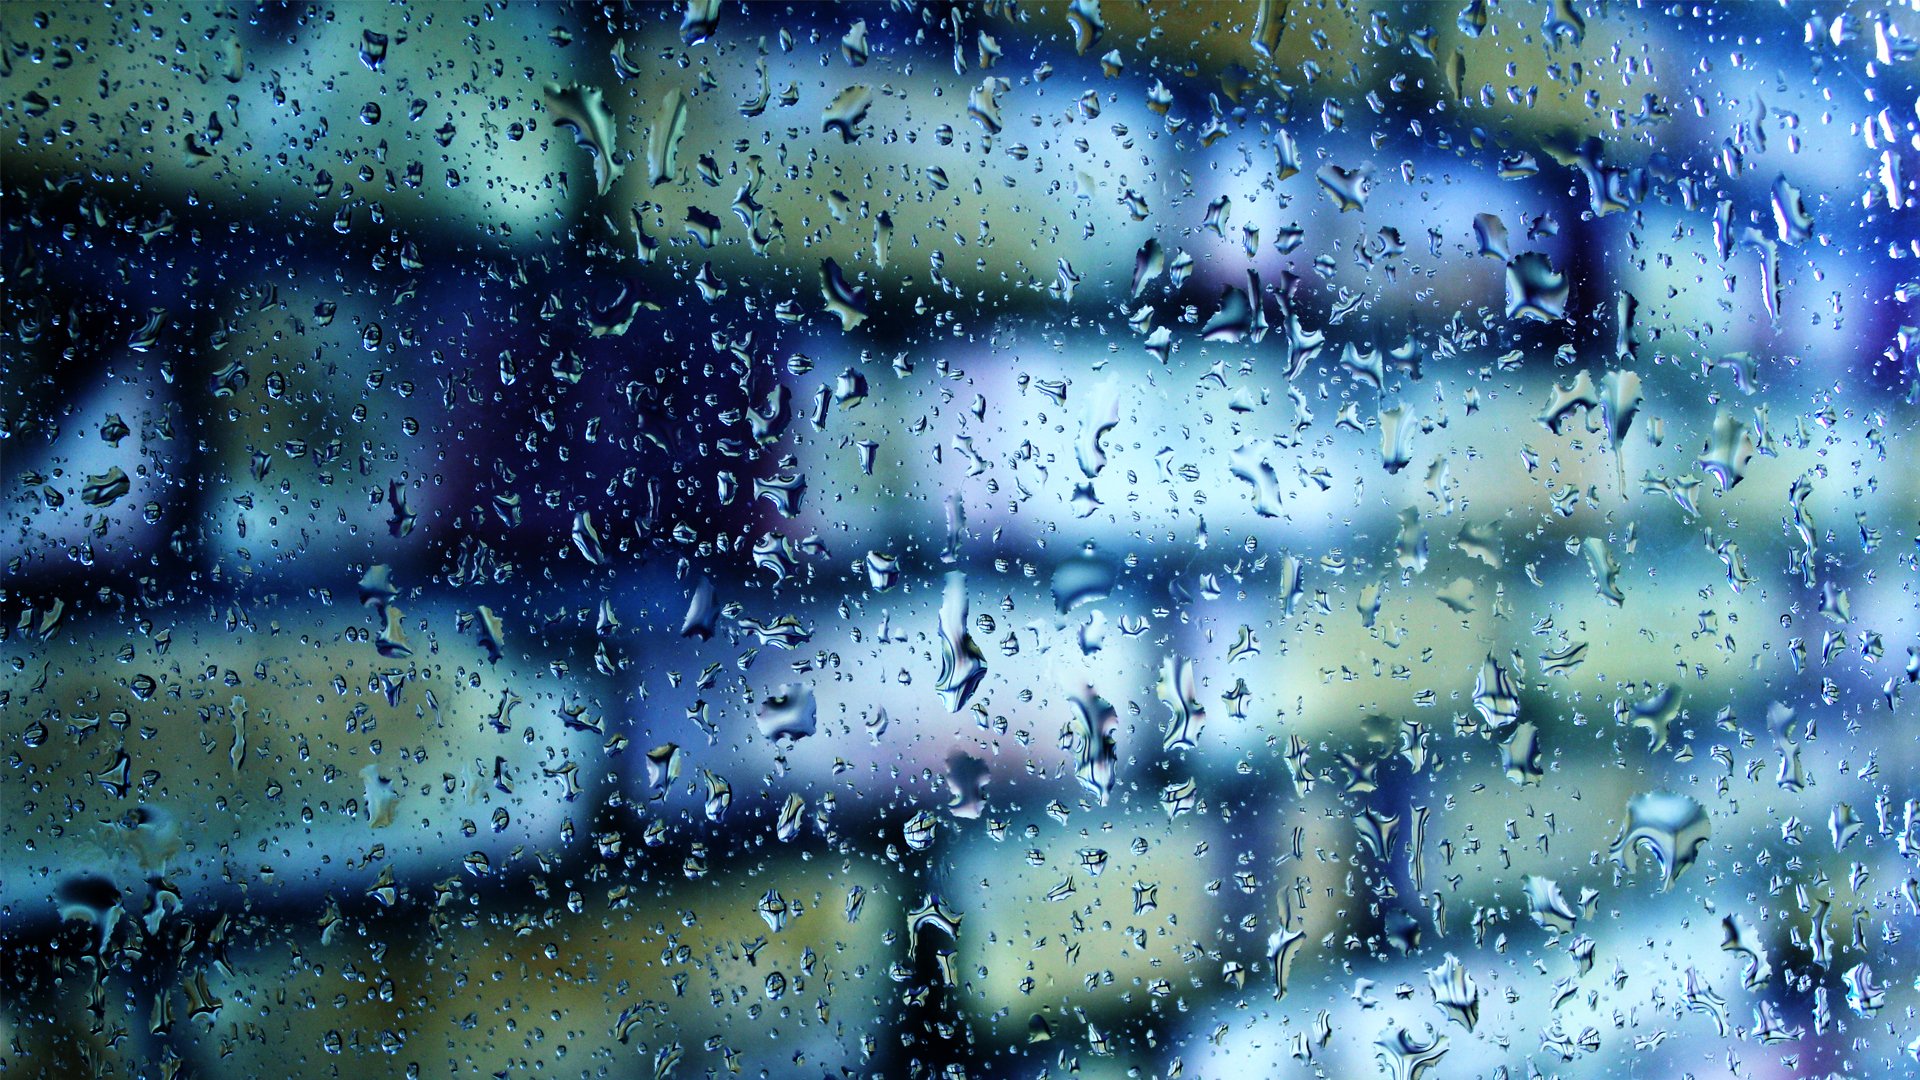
1021, 538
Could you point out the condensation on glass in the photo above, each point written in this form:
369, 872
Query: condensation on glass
966, 540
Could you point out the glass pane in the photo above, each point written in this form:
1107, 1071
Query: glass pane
921, 539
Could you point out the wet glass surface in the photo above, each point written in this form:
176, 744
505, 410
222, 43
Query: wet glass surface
915, 539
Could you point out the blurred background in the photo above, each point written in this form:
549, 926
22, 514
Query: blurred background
917, 539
